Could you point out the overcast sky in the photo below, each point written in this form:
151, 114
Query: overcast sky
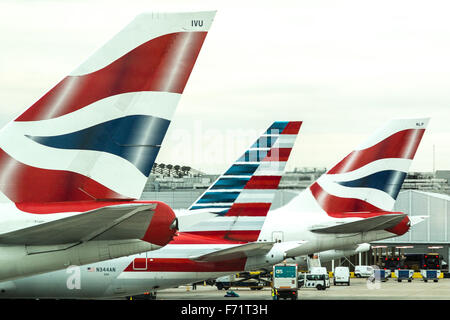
343, 67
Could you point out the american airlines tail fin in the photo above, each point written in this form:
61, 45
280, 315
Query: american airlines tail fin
237, 203
96, 134
367, 181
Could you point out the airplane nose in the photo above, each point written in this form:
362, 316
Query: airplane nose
163, 225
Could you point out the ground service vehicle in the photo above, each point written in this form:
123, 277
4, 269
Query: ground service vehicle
430, 275
318, 281
252, 280
379, 275
363, 271
422, 261
404, 274
392, 264
285, 282
341, 275
224, 282
321, 271
415, 261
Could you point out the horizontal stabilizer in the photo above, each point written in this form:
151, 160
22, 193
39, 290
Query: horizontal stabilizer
382, 222
117, 222
417, 219
242, 251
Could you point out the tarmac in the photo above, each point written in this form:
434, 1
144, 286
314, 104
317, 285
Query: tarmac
359, 289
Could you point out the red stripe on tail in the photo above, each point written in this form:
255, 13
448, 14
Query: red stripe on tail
23, 183
263, 182
338, 207
153, 66
292, 127
402, 144
249, 209
278, 154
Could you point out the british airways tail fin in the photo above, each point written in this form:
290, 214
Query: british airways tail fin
96, 134
238, 201
367, 181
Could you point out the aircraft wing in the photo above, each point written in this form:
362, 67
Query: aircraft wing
116, 222
381, 222
241, 251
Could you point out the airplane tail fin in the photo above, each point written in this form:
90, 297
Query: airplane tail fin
367, 181
96, 134
238, 201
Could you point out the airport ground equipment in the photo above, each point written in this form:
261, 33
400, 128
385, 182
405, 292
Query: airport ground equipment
363, 271
318, 281
379, 275
285, 281
430, 275
341, 275
320, 271
404, 274
415, 261
253, 280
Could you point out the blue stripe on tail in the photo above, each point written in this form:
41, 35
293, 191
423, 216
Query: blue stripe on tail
241, 170
389, 181
253, 156
264, 142
230, 183
218, 197
277, 127
135, 138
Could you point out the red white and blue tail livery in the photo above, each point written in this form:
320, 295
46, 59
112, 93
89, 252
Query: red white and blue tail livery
239, 200
356, 196
96, 134
369, 179
74, 162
